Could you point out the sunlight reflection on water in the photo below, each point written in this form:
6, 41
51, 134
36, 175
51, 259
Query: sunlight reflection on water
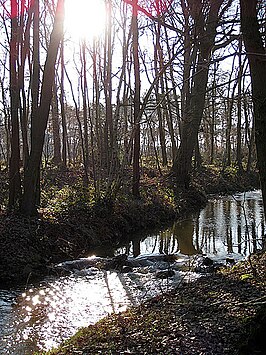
56, 310
44, 316
40, 317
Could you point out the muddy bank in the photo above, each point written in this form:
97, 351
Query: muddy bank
226, 182
28, 246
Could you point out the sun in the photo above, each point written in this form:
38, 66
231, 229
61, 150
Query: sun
84, 19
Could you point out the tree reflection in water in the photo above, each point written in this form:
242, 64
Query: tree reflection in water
48, 313
228, 225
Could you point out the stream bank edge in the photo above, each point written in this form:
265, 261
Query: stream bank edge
30, 245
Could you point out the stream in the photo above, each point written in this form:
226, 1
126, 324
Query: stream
39, 317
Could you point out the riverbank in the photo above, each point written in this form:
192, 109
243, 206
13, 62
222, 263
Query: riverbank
71, 225
223, 313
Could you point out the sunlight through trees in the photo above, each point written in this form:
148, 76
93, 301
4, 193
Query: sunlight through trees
113, 85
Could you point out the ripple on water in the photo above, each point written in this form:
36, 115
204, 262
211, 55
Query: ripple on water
44, 316
41, 317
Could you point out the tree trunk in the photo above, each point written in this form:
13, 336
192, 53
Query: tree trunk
194, 99
96, 111
6, 113
136, 147
170, 118
229, 110
31, 180
239, 111
213, 115
171, 104
14, 164
84, 87
24, 44
108, 127
256, 57
158, 65
251, 149
35, 90
62, 105
182, 163
55, 125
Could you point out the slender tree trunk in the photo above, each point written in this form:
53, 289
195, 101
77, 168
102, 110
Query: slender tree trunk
256, 57
82, 144
185, 92
158, 63
97, 149
213, 116
31, 180
249, 133
228, 115
24, 41
6, 122
85, 106
55, 126
239, 111
136, 147
170, 118
251, 148
62, 105
14, 164
96, 100
229, 110
35, 87
175, 102
108, 127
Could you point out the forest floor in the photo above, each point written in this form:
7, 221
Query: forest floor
219, 314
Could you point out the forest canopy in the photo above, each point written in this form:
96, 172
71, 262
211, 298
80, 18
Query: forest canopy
110, 86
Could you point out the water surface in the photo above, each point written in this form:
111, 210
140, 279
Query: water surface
229, 225
41, 316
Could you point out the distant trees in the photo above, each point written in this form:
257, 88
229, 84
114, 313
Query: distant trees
163, 85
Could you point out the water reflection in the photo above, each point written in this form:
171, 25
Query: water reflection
228, 225
44, 315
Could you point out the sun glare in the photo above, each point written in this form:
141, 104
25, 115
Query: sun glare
84, 19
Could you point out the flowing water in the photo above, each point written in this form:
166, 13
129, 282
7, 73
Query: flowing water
230, 225
41, 316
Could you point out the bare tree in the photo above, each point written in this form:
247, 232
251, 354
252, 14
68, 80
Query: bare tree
206, 17
14, 165
55, 126
256, 53
136, 150
31, 191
